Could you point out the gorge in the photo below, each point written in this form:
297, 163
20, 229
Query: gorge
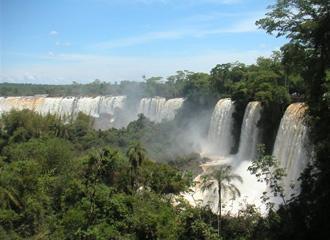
290, 147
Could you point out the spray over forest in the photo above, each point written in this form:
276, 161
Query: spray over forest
241, 152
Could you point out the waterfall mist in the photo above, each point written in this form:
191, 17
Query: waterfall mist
221, 140
183, 132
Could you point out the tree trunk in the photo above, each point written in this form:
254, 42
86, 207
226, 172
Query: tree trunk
219, 209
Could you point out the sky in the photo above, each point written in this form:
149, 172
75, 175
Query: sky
61, 41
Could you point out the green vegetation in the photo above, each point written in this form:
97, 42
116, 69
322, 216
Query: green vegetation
267, 169
68, 181
306, 24
64, 182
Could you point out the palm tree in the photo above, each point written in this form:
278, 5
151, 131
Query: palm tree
220, 178
136, 155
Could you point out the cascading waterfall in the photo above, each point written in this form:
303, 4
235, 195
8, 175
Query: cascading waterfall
290, 149
89, 106
291, 145
110, 112
109, 105
220, 131
19, 103
105, 110
151, 107
250, 134
158, 109
62, 107
170, 108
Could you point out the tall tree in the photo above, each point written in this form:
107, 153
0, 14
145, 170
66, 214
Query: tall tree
136, 155
306, 24
220, 179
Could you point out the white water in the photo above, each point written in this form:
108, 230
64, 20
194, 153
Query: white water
250, 134
105, 110
290, 149
158, 109
89, 106
62, 107
220, 131
220, 135
290, 146
110, 112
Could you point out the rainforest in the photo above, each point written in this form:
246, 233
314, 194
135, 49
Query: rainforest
240, 152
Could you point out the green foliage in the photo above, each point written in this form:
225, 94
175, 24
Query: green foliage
265, 83
73, 186
224, 75
68, 181
306, 24
266, 168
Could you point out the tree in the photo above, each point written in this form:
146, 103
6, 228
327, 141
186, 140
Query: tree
306, 23
267, 169
222, 75
100, 167
293, 60
197, 89
220, 179
136, 155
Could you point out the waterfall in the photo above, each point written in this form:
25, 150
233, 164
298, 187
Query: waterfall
151, 107
109, 105
290, 146
220, 131
105, 110
250, 134
19, 103
110, 112
158, 109
61, 107
171, 107
251, 190
89, 106
291, 149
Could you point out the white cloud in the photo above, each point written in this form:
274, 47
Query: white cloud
65, 68
53, 33
141, 39
63, 44
246, 25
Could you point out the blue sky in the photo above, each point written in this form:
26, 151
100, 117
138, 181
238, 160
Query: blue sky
60, 41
